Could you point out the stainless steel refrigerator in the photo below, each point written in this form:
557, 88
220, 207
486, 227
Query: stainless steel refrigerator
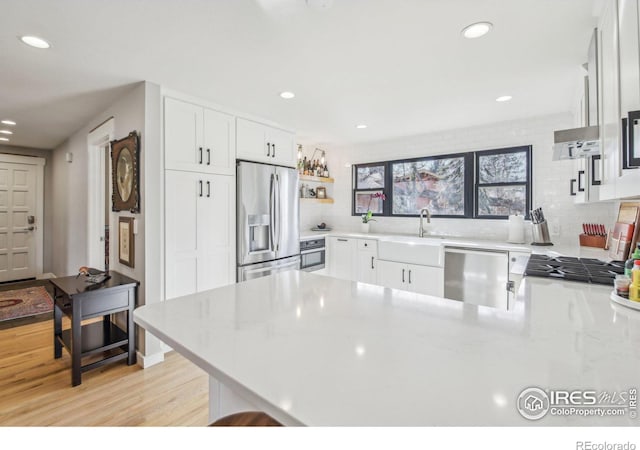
268, 217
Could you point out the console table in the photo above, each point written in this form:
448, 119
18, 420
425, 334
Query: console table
80, 300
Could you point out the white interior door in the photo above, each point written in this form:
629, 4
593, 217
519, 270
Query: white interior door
18, 188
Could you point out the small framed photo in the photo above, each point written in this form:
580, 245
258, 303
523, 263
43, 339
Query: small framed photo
321, 192
126, 247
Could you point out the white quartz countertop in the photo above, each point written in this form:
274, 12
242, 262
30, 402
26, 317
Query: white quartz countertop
315, 350
554, 250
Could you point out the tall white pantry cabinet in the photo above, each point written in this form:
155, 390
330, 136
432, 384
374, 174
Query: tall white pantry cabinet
199, 154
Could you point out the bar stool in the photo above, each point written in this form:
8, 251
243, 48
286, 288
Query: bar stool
246, 419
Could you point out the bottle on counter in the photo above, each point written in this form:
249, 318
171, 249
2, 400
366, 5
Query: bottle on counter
634, 287
628, 265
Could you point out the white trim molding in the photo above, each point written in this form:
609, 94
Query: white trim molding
96, 140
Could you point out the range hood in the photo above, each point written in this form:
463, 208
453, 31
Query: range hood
576, 143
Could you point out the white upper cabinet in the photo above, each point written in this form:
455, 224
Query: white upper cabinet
629, 56
628, 184
198, 139
610, 125
262, 143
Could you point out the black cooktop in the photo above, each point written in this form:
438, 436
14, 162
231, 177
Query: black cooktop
586, 270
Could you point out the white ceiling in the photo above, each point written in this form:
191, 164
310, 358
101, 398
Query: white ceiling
400, 66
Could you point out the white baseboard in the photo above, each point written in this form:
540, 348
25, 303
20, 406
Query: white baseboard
149, 360
45, 276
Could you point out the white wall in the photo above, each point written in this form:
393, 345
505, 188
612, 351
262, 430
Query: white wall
138, 109
550, 180
47, 220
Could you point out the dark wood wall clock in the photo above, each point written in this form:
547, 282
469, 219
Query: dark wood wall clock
125, 171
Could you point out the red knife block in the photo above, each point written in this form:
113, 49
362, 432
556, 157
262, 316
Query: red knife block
587, 240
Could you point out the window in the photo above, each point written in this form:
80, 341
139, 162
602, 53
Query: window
484, 184
503, 182
369, 180
436, 183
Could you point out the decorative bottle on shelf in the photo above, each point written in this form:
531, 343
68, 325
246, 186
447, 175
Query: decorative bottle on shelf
325, 172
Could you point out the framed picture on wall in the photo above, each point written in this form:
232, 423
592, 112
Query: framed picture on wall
126, 242
321, 192
125, 174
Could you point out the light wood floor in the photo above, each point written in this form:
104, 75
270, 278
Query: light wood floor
35, 388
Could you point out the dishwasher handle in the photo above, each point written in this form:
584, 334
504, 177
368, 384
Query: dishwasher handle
475, 251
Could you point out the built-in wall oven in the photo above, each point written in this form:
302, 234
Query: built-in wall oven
312, 254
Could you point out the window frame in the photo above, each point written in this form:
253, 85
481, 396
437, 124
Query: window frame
471, 182
527, 184
354, 190
468, 178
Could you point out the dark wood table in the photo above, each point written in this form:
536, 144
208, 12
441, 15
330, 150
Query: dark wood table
80, 300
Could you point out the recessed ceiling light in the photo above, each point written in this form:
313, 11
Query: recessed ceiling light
504, 98
35, 41
361, 126
476, 30
287, 95
8, 122
320, 4
6, 132
4, 139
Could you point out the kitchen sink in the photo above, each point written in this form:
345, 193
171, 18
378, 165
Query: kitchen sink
426, 251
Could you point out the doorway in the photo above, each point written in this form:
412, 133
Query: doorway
21, 217
99, 220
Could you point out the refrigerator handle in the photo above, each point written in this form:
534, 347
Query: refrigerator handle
271, 211
278, 210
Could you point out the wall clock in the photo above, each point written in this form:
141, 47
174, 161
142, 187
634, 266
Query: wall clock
125, 173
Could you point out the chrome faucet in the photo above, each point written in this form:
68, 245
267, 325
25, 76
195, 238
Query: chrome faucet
422, 230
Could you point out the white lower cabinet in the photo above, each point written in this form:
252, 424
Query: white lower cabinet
341, 257
200, 232
366, 270
411, 277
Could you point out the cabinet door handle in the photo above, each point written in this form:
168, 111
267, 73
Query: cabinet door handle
208, 157
208, 189
572, 188
268, 149
580, 177
200, 183
409, 276
372, 262
273, 155
200, 155
403, 275
343, 240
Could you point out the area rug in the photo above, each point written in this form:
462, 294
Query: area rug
24, 303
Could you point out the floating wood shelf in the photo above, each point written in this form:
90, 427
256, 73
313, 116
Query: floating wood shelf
318, 200
318, 179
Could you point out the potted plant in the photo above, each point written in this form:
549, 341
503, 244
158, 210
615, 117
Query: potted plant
368, 216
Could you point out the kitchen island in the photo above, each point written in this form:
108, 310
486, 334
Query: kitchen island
314, 350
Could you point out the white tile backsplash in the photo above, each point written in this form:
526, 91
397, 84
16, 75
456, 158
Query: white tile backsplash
550, 180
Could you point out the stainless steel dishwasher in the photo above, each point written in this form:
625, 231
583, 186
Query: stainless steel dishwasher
477, 276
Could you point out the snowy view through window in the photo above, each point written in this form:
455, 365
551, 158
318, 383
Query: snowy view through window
437, 184
499, 190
